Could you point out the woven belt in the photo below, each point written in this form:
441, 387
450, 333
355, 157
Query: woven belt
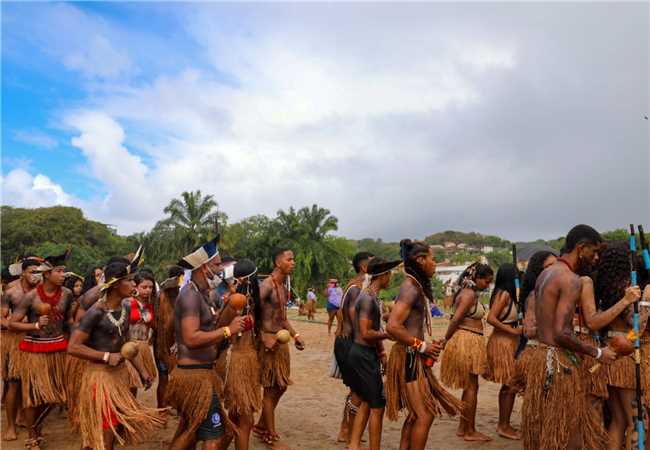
581, 330
644, 303
617, 333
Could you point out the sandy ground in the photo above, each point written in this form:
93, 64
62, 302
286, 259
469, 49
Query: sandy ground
309, 414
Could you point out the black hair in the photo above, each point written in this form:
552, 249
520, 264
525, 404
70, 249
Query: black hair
613, 276
533, 270
89, 280
226, 258
71, 280
146, 274
473, 272
115, 269
581, 234
251, 286
505, 281
409, 251
117, 259
174, 271
279, 252
359, 258
29, 263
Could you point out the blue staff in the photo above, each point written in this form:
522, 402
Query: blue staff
637, 347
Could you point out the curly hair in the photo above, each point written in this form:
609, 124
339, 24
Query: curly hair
467, 279
533, 270
612, 276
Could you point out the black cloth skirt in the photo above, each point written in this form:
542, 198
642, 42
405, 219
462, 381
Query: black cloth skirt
365, 370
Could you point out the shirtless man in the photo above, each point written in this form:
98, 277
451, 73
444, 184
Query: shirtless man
98, 339
275, 362
193, 384
44, 346
344, 335
367, 357
11, 298
555, 389
409, 366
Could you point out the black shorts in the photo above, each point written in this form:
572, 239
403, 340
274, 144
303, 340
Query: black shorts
410, 365
365, 370
341, 350
212, 427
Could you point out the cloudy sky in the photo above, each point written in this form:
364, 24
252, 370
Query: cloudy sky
513, 119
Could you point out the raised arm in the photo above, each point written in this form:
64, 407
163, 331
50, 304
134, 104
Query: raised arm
597, 320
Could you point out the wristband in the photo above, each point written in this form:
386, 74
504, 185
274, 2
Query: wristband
226, 332
105, 357
599, 352
295, 336
423, 347
38, 325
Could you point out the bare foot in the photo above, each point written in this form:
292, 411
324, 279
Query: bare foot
343, 436
9, 435
509, 433
279, 445
475, 436
460, 431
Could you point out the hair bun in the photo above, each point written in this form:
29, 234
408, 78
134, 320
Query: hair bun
404, 248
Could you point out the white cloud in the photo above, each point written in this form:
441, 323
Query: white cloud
97, 58
20, 188
35, 138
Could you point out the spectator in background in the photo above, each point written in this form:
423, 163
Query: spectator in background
334, 295
311, 304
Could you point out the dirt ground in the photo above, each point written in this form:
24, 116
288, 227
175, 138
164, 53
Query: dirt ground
309, 414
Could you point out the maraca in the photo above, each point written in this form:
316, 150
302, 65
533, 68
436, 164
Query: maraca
43, 309
283, 336
237, 301
621, 345
129, 350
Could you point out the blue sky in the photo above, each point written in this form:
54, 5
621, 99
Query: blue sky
118, 107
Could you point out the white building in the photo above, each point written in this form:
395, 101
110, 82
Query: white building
449, 273
487, 249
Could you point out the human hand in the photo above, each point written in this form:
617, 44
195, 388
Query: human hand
632, 294
300, 344
608, 356
114, 359
433, 349
237, 325
43, 321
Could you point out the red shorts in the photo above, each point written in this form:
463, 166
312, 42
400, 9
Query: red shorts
111, 421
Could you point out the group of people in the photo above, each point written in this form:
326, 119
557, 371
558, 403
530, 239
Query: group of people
556, 342
214, 337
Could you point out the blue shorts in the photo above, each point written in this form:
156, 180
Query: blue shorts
331, 307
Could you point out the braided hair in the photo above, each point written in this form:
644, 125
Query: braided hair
409, 251
613, 275
467, 279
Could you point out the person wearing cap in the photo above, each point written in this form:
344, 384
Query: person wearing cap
410, 382
343, 340
367, 357
10, 354
274, 356
238, 365
194, 387
44, 345
107, 410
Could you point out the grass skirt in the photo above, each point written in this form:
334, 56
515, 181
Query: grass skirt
240, 370
145, 359
190, 392
275, 366
463, 355
597, 381
104, 394
518, 380
621, 373
500, 350
433, 394
42, 378
74, 374
645, 372
10, 354
551, 417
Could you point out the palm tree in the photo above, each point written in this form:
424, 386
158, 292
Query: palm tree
193, 217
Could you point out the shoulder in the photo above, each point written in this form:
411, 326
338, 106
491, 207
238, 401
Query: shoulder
586, 282
66, 293
408, 291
